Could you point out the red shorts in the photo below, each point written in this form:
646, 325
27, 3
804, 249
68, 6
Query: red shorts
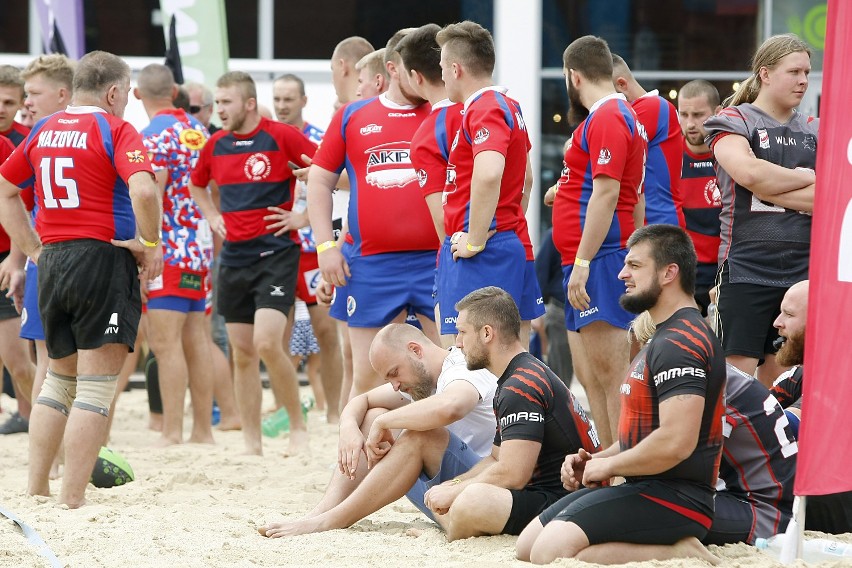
309, 277
179, 282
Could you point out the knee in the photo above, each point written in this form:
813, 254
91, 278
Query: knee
268, 346
467, 511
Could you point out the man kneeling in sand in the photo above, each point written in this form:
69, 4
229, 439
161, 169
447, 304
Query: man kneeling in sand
446, 419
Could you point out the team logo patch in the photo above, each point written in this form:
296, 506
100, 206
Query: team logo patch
135, 157
450, 184
712, 195
276, 290
422, 177
371, 129
192, 138
763, 138
156, 283
389, 165
257, 167
190, 281
24, 317
604, 157
481, 136
351, 306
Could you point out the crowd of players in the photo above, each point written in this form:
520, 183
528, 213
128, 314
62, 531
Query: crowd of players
695, 218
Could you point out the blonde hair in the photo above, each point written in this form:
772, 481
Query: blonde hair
767, 55
374, 62
641, 329
55, 67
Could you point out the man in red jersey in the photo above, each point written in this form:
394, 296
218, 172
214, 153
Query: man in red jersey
488, 172
669, 437
388, 262
257, 280
702, 200
662, 131
594, 213
11, 101
95, 186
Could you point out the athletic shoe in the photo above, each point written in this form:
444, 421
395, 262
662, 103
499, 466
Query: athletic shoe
15, 425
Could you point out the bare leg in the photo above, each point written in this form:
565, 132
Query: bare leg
268, 340
388, 480
247, 386
165, 340
607, 353
40, 375
85, 430
364, 376
594, 391
223, 387
331, 359
744, 364
196, 347
15, 354
346, 348
447, 339
312, 366
480, 509
622, 552
130, 363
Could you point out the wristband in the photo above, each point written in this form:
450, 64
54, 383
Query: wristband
148, 244
322, 247
582, 262
455, 481
475, 248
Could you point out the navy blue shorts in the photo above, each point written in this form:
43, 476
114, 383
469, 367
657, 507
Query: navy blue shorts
177, 304
384, 285
604, 288
503, 263
31, 326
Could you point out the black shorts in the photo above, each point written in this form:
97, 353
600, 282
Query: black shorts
632, 512
746, 314
268, 283
732, 522
526, 504
88, 296
7, 305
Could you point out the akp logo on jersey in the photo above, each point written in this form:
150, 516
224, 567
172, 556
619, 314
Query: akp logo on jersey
192, 138
135, 157
257, 167
763, 138
604, 157
712, 195
389, 165
422, 177
481, 136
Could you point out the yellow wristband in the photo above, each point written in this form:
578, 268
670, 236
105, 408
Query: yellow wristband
148, 244
582, 262
322, 247
475, 248
455, 481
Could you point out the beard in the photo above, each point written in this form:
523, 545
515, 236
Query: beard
792, 352
424, 387
577, 113
477, 359
410, 95
638, 302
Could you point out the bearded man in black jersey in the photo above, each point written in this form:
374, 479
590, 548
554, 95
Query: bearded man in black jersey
670, 430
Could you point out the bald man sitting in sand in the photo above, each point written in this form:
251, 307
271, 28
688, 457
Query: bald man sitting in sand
432, 421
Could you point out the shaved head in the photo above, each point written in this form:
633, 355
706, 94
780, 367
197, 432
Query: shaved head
352, 49
395, 337
156, 82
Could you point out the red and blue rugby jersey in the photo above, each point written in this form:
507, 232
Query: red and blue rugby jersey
491, 121
252, 173
371, 138
662, 168
80, 160
702, 204
430, 147
609, 143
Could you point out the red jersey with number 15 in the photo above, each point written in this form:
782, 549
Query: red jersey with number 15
609, 143
84, 157
491, 121
372, 139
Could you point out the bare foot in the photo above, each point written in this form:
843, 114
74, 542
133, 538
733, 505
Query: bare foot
691, 547
253, 451
201, 439
163, 442
332, 417
298, 443
155, 422
229, 423
54, 470
292, 528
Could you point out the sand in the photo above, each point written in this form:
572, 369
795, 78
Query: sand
199, 506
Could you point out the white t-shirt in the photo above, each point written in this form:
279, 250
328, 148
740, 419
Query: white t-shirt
478, 427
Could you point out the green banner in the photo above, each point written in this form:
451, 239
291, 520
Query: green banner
806, 19
202, 37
